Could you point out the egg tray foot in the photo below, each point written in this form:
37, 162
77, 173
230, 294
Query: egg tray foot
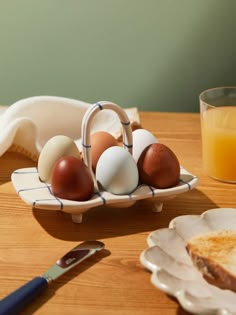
157, 207
77, 218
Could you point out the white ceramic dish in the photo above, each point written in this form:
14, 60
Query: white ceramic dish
173, 271
39, 195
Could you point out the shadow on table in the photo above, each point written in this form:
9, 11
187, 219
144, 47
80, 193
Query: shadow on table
181, 311
106, 222
74, 272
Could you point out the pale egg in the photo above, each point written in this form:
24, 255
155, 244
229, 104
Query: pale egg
53, 150
117, 172
142, 138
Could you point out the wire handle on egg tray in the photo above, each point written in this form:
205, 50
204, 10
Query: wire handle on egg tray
86, 126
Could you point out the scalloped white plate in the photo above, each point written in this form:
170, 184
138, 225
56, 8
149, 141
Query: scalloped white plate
38, 194
173, 271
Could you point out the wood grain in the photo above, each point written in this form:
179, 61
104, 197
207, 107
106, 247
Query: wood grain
113, 281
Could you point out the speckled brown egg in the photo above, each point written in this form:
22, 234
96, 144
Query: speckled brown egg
158, 166
100, 141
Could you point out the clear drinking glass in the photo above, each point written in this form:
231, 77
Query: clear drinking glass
218, 129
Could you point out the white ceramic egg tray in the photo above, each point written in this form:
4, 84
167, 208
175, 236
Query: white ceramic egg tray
39, 194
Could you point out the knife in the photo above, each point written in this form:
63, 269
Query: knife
17, 300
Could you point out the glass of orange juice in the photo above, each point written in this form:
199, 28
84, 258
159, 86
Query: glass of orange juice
218, 128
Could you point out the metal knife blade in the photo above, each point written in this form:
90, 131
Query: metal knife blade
72, 258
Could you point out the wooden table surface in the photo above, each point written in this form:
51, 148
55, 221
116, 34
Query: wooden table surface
113, 281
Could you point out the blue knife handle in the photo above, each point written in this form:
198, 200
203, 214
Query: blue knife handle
17, 300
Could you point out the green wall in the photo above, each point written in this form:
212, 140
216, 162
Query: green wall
153, 54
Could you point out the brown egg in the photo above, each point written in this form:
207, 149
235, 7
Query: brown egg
71, 179
158, 166
100, 141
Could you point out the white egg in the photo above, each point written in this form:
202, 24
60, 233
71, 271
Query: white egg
142, 138
117, 171
53, 150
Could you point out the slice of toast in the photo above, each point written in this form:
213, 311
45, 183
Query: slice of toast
214, 254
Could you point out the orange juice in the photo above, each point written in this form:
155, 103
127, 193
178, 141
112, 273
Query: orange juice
219, 142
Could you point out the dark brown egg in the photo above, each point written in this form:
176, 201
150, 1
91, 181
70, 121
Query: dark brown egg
71, 179
100, 141
158, 166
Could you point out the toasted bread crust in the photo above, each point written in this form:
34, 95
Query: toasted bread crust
211, 254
